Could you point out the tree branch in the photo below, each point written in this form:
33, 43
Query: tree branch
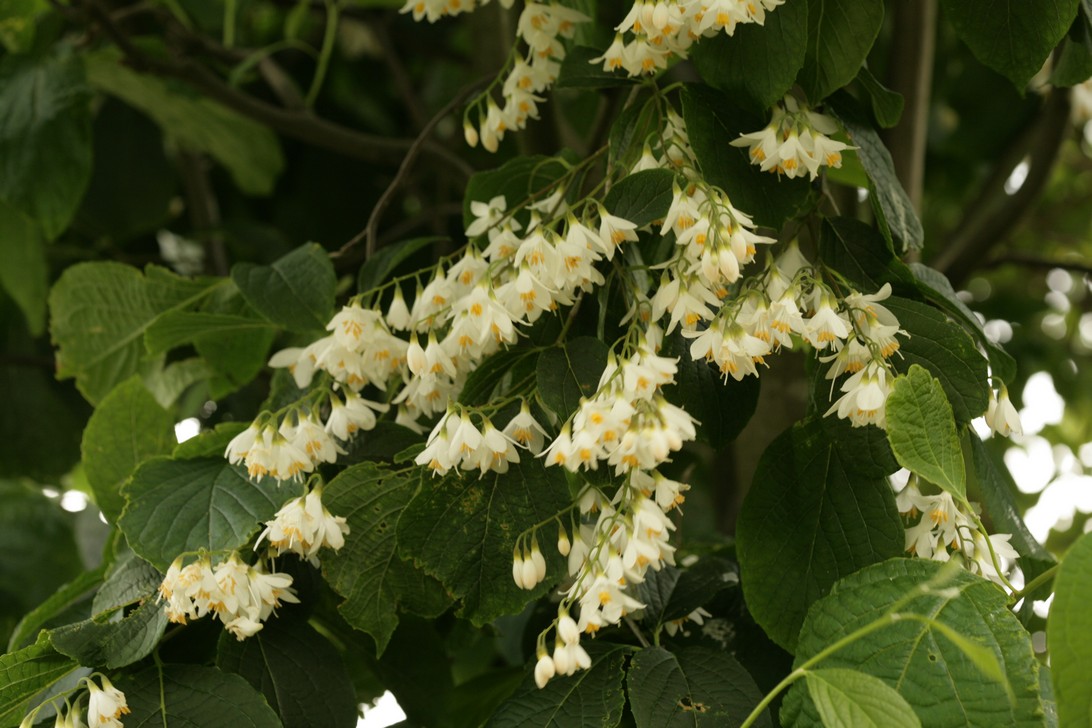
994, 214
1030, 260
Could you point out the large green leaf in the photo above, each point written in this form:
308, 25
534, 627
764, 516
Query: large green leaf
25, 272
296, 291
98, 314
248, 150
38, 550
860, 253
569, 373
379, 267
642, 197
130, 580
947, 351
591, 698
462, 529
192, 696
922, 431
695, 686
711, 122
672, 593
808, 520
852, 699
1012, 38
297, 670
367, 571
174, 506
759, 63
840, 34
175, 328
937, 289
102, 642
1069, 635
127, 428
944, 684
578, 71
18, 23
894, 210
45, 136
25, 673
71, 600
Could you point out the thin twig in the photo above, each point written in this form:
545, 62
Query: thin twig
1030, 260
368, 235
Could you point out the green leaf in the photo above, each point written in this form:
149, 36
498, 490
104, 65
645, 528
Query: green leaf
25, 673
630, 130
947, 351
296, 291
577, 71
936, 678
176, 328
18, 23
642, 197
672, 593
860, 253
591, 698
1015, 39
210, 443
98, 314
113, 644
379, 267
126, 429
248, 150
890, 201
886, 104
129, 580
840, 34
238, 352
25, 272
567, 373
38, 550
517, 180
72, 598
367, 571
1074, 63
695, 686
45, 137
722, 408
1069, 635
922, 431
192, 696
462, 529
297, 670
758, 64
494, 372
174, 506
712, 122
475, 701
808, 520
993, 486
938, 290
854, 699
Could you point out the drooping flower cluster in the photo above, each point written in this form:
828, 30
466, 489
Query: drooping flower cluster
541, 26
239, 595
795, 143
303, 526
629, 425
655, 30
943, 530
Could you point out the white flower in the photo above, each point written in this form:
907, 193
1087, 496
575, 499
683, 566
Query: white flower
243, 626
525, 430
865, 397
106, 705
303, 526
544, 670
1002, 416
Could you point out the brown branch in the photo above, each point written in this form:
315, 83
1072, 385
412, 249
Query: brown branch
368, 234
911, 74
1030, 260
994, 214
295, 123
204, 210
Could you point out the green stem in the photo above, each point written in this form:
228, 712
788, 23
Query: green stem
1034, 584
799, 672
229, 23
328, 38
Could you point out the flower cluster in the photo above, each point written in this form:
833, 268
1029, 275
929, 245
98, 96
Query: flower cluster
541, 26
629, 425
239, 595
655, 30
795, 143
303, 526
943, 530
